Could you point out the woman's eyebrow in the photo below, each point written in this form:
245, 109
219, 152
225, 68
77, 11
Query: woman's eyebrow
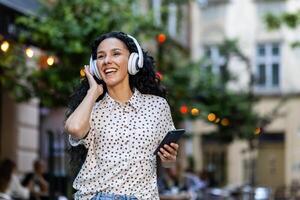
114, 49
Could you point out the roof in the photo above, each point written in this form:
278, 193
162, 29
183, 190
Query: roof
29, 7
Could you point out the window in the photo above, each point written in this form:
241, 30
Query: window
268, 66
172, 20
156, 4
216, 59
171, 17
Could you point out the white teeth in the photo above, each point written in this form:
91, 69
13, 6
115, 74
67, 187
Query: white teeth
110, 70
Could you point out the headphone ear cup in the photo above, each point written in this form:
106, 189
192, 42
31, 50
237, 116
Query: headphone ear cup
93, 68
132, 64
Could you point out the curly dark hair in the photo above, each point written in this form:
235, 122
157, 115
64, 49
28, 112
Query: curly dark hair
146, 81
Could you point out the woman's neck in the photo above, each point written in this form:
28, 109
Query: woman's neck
120, 93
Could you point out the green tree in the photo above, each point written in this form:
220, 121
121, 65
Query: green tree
196, 86
13, 73
65, 30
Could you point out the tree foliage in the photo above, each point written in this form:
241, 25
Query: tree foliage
195, 85
14, 74
65, 30
289, 19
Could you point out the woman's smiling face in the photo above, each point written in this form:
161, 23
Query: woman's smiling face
112, 62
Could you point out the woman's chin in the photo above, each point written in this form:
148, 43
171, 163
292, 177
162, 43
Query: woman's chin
111, 82
114, 81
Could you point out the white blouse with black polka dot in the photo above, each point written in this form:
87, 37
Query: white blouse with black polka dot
120, 145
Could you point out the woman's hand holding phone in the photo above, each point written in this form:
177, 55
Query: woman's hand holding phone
95, 88
168, 147
168, 154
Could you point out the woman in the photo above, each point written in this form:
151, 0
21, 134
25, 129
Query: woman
120, 121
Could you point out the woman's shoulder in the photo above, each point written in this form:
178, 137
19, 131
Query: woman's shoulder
155, 100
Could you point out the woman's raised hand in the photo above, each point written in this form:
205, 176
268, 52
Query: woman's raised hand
95, 88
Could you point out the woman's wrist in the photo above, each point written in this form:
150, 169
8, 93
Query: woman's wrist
93, 94
168, 164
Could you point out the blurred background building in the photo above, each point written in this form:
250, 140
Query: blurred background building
275, 66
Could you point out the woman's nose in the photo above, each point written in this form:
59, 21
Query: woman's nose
107, 59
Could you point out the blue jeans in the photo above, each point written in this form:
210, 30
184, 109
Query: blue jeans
104, 196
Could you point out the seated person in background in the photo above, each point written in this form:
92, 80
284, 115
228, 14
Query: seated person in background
5, 178
176, 184
172, 185
15, 189
193, 181
37, 179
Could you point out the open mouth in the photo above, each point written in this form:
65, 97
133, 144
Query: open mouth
110, 71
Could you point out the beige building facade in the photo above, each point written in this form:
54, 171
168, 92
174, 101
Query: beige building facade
276, 67
19, 134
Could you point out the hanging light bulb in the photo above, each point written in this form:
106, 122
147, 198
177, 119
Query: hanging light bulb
211, 117
225, 122
184, 109
4, 46
50, 60
195, 111
29, 52
161, 38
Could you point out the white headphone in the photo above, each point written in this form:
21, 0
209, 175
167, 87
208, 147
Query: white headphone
135, 61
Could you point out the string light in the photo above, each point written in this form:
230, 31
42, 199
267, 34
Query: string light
195, 111
217, 120
50, 60
43, 60
211, 117
184, 109
29, 52
225, 122
161, 38
4, 46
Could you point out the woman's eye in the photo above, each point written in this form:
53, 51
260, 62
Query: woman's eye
100, 57
116, 54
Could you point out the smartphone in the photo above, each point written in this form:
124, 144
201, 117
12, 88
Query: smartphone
171, 137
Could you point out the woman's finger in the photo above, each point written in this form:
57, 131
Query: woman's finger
163, 159
87, 70
171, 150
89, 75
175, 146
167, 155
